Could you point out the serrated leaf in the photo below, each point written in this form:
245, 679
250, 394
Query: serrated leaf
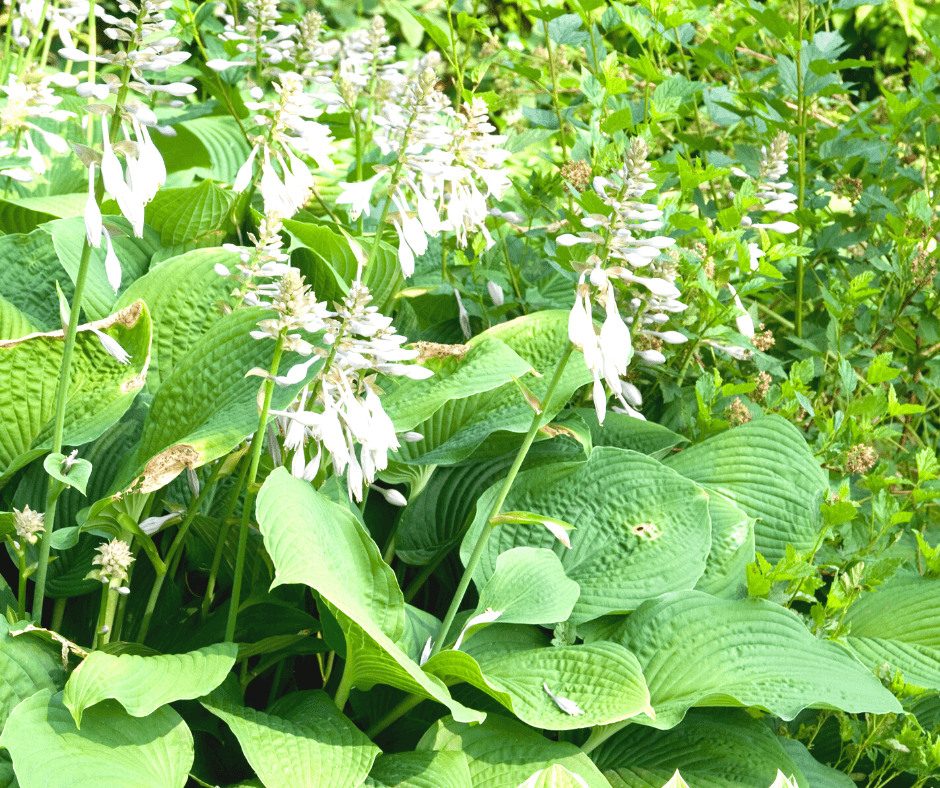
766, 469
696, 650
899, 624
493, 764
714, 748
420, 770
640, 528
143, 684
181, 293
322, 545
152, 752
101, 389
314, 746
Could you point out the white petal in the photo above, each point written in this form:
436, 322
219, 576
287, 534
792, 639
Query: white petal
111, 345
112, 266
92, 212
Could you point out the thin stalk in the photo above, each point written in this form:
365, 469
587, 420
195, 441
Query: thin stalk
555, 104
801, 156
512, 272
21, 595
62, 392
92, 66
58, 614
345, 683
102, 615
257, 444
497, 506
224, 527
406, 705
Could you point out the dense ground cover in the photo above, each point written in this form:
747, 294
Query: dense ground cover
469, 395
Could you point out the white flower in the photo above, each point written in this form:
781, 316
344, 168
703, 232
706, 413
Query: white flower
112, 346
357, 195
567, 706
463, 317
743, 321
112, 266
488, 616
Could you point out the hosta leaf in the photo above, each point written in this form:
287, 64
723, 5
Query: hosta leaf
27, 665
25, 214
318, 543
640, 528
529, 586
29, 274
420, 770
899, 623
731, 551
207, 406
495, 416
817, 774
626, 432
503, 753
191, 214
15, 323
711, 749
555, 776
68, 237
224, 141
696, 650
100, 391
143, 684
180, 293
155, 751
603, 681
316, 748
768, 471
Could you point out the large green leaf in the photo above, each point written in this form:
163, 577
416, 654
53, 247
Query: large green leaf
711, 749
29, 274
25, 214
420, 770
641, 529
112, 747
27, 665
603, 681
490, 421
899, 623
503, 753
316, 747
817, 774
100, 388
322, 545
68, 237
626, 432
696, 650
191, 214
207, 406
731, 551
768, 471
224, 141
180, 293
143, 684
15, 323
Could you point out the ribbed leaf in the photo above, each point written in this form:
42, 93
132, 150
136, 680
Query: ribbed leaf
503, 753
768, 471
626, 432
732, 549
316, 748
641, 529
101, 389
143, 684
696, 650
180, 293
555, 776
68, 237
207, 405
13, 322
322, 545
27, 665
603, 680
817, 774
25, 214
29, 274
191, 214
224, 141
420, 770
899, 623
111, 748
711, 749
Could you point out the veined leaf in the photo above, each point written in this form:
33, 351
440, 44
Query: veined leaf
640, 528
768, 471
29, 274
420, 770
155, 751
696, 650
899, 623
315, 746
224, 141
318, 543
731, 551
711, 748
27, 665
207, 406
101, 389
626, 432
25, 214
143, 684
15, 323
191, 214
503, 753
180, 293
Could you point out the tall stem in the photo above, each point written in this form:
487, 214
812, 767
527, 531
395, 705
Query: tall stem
62, 391
801, 155
256, 445
498, 505
345, 683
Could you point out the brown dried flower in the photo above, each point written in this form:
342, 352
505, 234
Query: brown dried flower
860, 458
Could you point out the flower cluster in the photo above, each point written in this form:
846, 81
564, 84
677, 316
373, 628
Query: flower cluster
115, 559
289, 131
265, 260
28, 524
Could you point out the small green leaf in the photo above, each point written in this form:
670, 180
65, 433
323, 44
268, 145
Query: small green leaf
143, 684
77, 475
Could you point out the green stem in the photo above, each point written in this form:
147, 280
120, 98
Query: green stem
257, 445
801, 155
602, 733
151, 606
406, 705
345, 683
102, 615
58, 614
556, 106
21, 596
498, 505
62, 391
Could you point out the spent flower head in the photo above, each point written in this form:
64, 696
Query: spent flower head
28, 524
114, 559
